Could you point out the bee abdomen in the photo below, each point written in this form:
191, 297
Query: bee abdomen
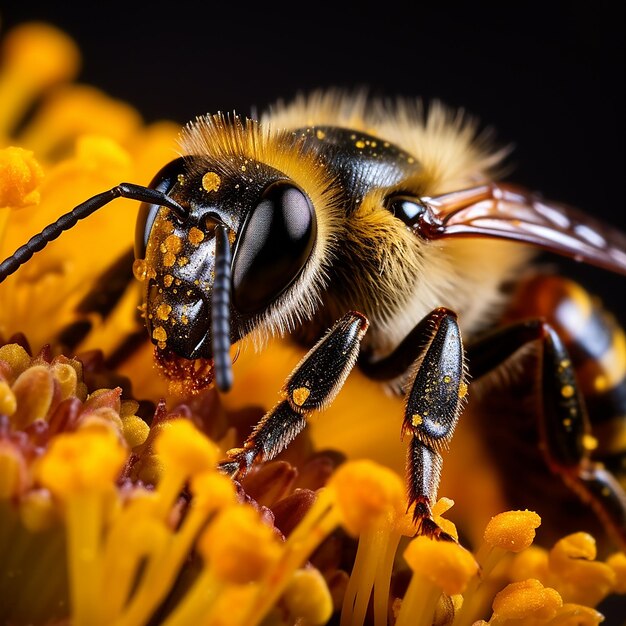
597, 346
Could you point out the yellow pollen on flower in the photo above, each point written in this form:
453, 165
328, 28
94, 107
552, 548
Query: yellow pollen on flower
513, 531
364, 492
12, 471
440, 507
81, 461
134, 430
34, 392
525, 600
239, 546
211, 181
67, 378
37, 510
617, 562
300, 395
182, 446
308, 598
446, 564
15, 357
212, 491
578, 577
20, 178
8, 403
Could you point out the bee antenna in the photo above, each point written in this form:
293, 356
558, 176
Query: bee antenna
220, 310
85, 209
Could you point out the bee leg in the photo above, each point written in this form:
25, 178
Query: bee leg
434, 402
564, 428
312, 386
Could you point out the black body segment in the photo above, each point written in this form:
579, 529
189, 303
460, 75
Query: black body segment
314, 383
434, 400
358, 161
318, 378
563, 424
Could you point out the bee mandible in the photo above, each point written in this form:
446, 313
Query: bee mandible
376, 237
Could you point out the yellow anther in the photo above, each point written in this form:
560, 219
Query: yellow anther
239, 546
364, 492
134, 430
13, 473
180, 444
15, 357
86, 460
307, 597
446, 564
617, 562
526, 599
513, 531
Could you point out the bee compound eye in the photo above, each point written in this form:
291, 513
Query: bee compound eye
164, 181
275, 244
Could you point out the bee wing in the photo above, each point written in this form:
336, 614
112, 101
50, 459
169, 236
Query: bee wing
508, 212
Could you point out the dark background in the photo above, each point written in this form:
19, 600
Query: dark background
548, 78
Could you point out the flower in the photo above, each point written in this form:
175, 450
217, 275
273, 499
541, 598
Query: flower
113, 511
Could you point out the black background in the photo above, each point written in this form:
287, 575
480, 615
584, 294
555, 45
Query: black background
548, 78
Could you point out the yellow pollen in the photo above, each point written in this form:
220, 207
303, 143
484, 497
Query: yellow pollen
462, 390
159, 334
567, 422
601, 383
320, 134
182, 261
195, 235
140, 269
173, 244
416, 420
184, 319
565, 363
300, 395
163, 311
446, 379
360, 144
211, 181
169, 259
589, 442
181, 179
567, 391
168, 279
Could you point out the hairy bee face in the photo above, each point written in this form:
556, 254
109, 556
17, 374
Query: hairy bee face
271, 230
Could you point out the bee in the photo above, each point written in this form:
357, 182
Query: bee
378, 237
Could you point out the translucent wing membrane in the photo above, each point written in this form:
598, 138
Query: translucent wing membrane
509, 212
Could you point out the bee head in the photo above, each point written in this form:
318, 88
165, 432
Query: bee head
271, 230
